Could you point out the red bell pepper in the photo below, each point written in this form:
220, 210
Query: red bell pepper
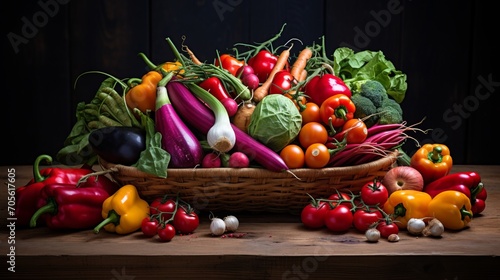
230, 63
468, 183
336, 110
263, 63
27, 196
320, 87
73, 206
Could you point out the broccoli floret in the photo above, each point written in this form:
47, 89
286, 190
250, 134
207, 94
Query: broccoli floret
390, 112
372, 90
364, 108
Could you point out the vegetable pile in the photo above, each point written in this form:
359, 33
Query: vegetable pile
276, 109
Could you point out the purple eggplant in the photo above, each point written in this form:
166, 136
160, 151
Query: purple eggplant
177, 139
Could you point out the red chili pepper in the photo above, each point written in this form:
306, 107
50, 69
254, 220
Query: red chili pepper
468, 183
323, 86
27, 196
216, 88
336, 110
73, 206
263, 63
230, 63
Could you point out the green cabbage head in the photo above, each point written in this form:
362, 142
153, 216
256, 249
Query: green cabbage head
275, 122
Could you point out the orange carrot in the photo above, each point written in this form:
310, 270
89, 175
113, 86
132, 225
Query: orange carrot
300, 63
261, 92
192, 56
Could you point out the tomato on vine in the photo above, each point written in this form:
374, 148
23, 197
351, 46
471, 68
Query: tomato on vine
186, 221
354, 130
149, 226
164, 205
374, 193
313, 214
310, 113
387, 228
166, 232
339, 218
364, 218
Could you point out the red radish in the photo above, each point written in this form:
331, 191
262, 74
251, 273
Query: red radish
251, 81
239, 160
244, 70
211, 160
231, 106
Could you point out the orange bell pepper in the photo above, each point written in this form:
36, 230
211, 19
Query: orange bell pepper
433, 161
143, 95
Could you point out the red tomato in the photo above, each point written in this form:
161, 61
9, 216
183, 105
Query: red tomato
364, 218
166, 233
282, 82
263, 63
310, 113
313, 214
354, 130
149, 226
387, 229
163, 205
185, 220
339, 218
293, 156
344, 196
312, 132
374, 193
317, 155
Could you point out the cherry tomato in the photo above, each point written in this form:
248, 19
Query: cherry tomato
163, 205
166, 233
293, 156
339, 218
263, 63
317, 155
313, 214
374, 193
364, 218
344, 196
282, 82
312, 132
310, 113
387, 229
186, 221
149, 226
354, 130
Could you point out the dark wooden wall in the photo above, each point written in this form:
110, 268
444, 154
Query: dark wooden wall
448, 50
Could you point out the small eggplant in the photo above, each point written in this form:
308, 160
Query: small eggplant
118, 144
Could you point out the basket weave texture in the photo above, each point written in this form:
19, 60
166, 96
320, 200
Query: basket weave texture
250, 189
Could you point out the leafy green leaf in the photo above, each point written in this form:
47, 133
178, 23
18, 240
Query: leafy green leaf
154, 159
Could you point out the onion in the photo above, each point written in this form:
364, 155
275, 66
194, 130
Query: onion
415, 226
372, 235
232, 223
217, 226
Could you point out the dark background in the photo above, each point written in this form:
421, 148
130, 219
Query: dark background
448, 50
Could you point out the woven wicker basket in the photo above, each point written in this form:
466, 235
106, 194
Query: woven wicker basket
250, 189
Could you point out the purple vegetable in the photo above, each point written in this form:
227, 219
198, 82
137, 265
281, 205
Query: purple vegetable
177, 139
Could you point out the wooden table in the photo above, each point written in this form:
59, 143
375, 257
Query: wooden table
272, 246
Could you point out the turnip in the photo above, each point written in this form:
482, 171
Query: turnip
238, 160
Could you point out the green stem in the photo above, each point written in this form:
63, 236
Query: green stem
400, 210
148, 62
475, 191
465, 213
50, 207
113, 217
435, 156
36, 167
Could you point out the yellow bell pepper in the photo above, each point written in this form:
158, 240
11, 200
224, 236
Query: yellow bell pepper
124, 211
403, 205
433, 161
452, 209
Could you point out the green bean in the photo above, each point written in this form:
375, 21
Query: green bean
95, 125
114, 110
108, 121
120, 100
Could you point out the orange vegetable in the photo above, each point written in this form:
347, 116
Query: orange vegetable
143, 95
